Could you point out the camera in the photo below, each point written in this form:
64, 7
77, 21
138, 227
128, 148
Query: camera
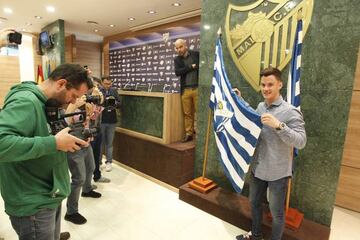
56, 119
93, 99
110, 102
14, 38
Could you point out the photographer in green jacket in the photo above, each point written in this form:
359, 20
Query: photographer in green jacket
34, 176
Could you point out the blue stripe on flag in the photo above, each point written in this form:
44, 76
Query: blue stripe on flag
236, 125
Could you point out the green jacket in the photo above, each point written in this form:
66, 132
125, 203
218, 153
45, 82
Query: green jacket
33, 174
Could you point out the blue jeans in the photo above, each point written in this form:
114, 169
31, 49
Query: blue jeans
81, 165
277, 193
107, 133
43, 225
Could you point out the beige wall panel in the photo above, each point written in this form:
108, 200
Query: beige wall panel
89, 53
357, 74
348, 195
9, 75
351, 155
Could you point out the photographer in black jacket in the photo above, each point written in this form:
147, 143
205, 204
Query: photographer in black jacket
109, 119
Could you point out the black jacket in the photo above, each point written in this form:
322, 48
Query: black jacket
181, 69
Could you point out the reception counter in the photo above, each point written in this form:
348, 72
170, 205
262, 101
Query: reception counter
155, 117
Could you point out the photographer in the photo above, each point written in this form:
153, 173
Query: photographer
34, 176
109, 119
81, 163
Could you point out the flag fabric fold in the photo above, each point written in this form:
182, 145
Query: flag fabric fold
40, 75
293, 85
236, 125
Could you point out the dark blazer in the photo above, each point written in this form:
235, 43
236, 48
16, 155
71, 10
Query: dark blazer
181, 69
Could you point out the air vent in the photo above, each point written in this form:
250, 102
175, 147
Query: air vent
92, 22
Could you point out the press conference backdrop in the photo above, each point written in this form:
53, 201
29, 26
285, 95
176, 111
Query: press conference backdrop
145, 63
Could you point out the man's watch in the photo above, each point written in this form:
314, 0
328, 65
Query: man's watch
281, 126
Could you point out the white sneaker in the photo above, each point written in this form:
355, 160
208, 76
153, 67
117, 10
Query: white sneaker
108, 167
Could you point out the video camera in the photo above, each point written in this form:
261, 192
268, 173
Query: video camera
93, 99
110, 103
14, 38
56, 120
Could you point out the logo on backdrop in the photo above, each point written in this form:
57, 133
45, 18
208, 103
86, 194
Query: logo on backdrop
262, 33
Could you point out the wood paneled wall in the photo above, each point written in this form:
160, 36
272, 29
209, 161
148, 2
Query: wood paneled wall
9, 75
83, 53
348, 192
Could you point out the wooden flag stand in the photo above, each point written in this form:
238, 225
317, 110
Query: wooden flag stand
203, 184
293, 218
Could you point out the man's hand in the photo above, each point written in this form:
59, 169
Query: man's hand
237, 92
68, 143
269, 120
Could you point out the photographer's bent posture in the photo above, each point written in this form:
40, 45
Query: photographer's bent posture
81, 163
34, 176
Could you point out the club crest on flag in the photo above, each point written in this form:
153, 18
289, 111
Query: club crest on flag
261, 34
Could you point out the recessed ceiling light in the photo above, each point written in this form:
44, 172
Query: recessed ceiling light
50, 9
28, 24
176, 4
111, 25
96, 30
131, 19
151, 12
24, 29
8, 10
38, 17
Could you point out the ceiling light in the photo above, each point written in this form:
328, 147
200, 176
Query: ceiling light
8, 10
151, 12
131, 19
111, 25
28, 24
176, 4
38, 17
50, 9
96, 30
24, 29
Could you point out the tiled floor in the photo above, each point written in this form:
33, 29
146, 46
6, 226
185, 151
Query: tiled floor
135, 208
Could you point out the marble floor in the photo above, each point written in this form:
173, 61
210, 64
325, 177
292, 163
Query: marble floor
136, 207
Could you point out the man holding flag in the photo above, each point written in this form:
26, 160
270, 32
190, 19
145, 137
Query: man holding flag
283, 129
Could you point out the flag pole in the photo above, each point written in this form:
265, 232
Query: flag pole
203, 184
206, 143
208, 131
293, 217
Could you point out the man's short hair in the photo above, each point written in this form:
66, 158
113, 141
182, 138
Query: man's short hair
73, 73
271, 71
106, 78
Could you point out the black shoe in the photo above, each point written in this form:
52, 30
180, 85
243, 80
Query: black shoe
187, 138
64, 236
91, 194
75, 218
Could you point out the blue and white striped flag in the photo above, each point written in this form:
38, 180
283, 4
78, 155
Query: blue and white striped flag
236, 125
293, 86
